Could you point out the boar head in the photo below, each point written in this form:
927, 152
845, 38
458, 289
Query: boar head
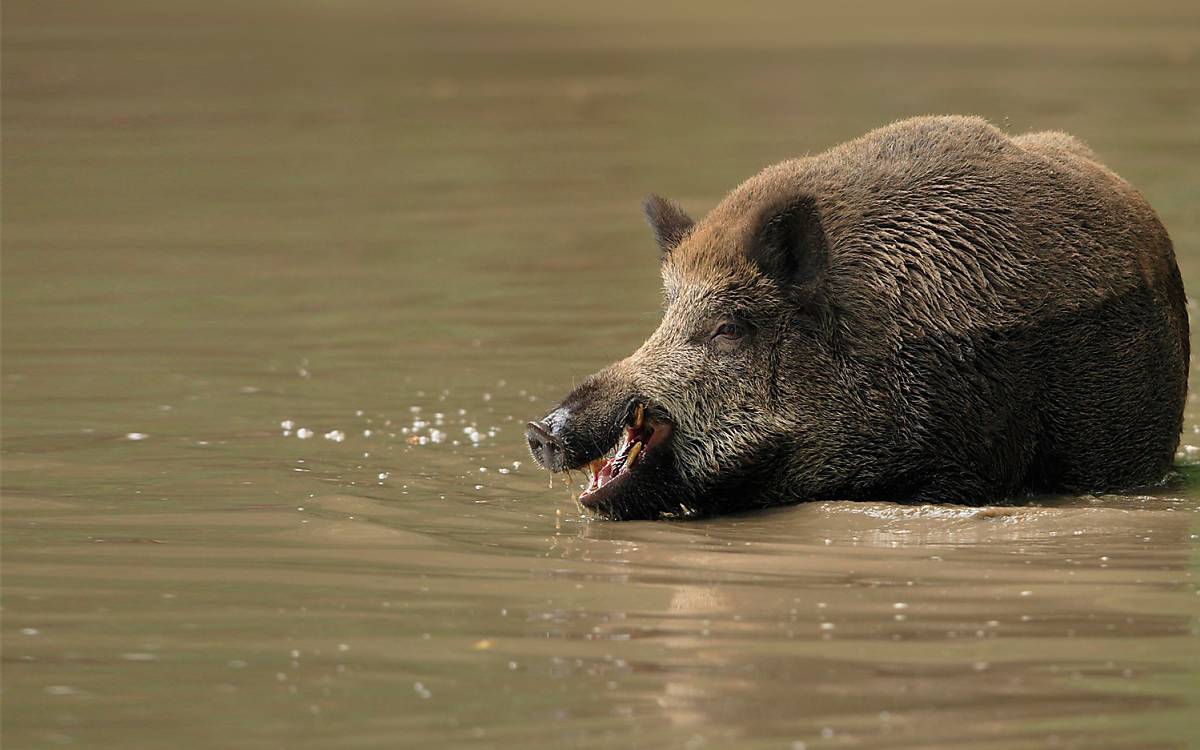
735, 401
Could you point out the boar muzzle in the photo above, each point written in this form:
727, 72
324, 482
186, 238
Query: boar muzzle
620, 439
583, 425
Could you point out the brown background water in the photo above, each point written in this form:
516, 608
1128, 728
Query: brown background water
418, 223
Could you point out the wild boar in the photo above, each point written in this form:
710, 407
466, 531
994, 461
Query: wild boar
933, 312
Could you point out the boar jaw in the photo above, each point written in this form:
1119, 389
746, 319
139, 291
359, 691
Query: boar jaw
638, 448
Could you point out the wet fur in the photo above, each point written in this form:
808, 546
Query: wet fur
941, 313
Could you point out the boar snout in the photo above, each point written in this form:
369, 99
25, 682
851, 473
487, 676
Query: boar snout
621, 439
582, 427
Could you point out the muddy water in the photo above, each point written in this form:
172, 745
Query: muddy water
281, 282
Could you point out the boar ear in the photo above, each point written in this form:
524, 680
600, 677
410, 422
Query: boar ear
669, 222
789, 243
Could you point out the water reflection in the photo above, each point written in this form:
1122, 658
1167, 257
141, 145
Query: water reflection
852, 620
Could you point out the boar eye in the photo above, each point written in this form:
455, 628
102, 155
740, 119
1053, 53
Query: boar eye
728, 333
728, 330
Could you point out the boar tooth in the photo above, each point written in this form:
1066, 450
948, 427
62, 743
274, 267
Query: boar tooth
633, 453
638, 413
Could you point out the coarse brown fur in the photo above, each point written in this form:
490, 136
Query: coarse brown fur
932, 312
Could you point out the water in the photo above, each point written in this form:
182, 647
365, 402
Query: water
282, 282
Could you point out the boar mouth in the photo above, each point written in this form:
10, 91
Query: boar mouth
638, 449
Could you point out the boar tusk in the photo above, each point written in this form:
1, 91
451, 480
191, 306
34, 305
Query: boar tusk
633, 453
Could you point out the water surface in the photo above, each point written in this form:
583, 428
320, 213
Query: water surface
282, 282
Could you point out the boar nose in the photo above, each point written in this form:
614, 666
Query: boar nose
544, 445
